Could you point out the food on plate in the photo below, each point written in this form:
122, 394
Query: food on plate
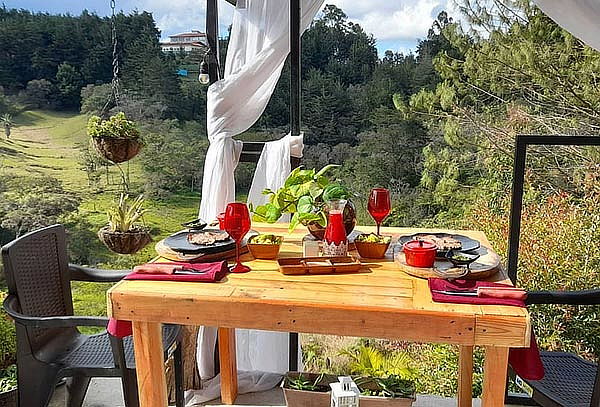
266, 239
443, 243
206, 238
373, 238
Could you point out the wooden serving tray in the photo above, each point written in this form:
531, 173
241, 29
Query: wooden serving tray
319, 265
484, 267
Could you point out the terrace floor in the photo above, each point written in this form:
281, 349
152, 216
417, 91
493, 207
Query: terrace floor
106, 392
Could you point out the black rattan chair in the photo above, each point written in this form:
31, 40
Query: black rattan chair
569, 380
49, 346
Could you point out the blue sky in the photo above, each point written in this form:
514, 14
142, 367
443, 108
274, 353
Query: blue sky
397, 24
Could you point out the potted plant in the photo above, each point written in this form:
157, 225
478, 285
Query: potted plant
265, 246
383, 381
303, 195
307, 389
122, 234
312, 390
116, 139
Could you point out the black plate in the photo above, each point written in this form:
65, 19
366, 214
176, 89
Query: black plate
466, 243
179, 243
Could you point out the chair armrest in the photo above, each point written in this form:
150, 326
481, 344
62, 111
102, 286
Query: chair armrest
80, 273
582, 297
11, 306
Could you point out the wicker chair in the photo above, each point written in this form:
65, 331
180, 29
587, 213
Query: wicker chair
49, 346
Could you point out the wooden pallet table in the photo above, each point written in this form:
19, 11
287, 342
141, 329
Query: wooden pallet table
380, 301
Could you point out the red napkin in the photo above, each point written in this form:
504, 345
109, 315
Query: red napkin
526, 362
196, 272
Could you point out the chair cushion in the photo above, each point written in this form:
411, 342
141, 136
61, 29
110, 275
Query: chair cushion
569, 380
96, 353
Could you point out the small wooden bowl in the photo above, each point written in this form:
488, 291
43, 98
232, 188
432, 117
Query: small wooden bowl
370, 250
264, 251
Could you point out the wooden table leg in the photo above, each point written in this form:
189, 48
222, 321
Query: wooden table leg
465, 376
494, 376
228, 365
149, 363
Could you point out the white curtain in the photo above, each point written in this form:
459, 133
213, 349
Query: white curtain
274, 166
581, 18
258, 47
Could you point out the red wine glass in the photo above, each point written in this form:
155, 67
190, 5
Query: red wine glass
237, 224
379, 205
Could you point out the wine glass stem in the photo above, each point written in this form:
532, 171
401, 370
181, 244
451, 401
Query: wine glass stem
237, 253
378, 226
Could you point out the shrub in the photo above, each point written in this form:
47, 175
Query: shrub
94, 97
8, 344
558, 251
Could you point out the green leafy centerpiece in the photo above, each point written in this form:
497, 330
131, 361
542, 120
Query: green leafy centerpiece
303, 195
116, 139
122, 234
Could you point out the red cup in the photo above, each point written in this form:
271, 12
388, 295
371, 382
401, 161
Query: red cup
419, 253
221, 219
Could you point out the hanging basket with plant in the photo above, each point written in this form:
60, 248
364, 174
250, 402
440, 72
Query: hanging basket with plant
116, 139
122, 234
304, 195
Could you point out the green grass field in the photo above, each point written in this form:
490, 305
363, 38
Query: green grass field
50, 143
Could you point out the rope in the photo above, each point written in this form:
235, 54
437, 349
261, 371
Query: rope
114, 96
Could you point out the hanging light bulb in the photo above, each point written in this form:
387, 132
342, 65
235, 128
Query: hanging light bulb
204, 78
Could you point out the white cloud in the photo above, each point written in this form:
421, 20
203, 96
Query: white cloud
388, 20
174, 16
394, 19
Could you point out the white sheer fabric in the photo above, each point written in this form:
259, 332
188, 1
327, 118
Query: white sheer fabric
258, 47
581, 18
274, 166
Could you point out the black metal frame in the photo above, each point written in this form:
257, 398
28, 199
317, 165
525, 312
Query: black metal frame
582, 297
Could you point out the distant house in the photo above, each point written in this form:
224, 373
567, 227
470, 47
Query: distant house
185, 42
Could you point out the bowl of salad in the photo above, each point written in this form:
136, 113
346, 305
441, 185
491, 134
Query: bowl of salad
372, 246
265, 246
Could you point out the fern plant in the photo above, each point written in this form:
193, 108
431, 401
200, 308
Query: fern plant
369, 361
123, 216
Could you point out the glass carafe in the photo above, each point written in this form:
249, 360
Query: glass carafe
335, 242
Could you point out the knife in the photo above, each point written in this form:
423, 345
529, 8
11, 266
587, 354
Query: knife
509, 293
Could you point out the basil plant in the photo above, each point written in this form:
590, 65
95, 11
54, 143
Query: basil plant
303, 195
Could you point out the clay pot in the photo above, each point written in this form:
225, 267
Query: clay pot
117, 150
125, 242
318, 231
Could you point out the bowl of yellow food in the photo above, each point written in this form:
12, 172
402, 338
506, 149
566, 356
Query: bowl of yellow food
372, 246
265, 246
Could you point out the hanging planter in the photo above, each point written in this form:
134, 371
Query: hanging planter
122, 235
116, 139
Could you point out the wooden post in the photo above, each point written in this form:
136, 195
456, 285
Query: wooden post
465, 376
494, 376
150, 367
228, 364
